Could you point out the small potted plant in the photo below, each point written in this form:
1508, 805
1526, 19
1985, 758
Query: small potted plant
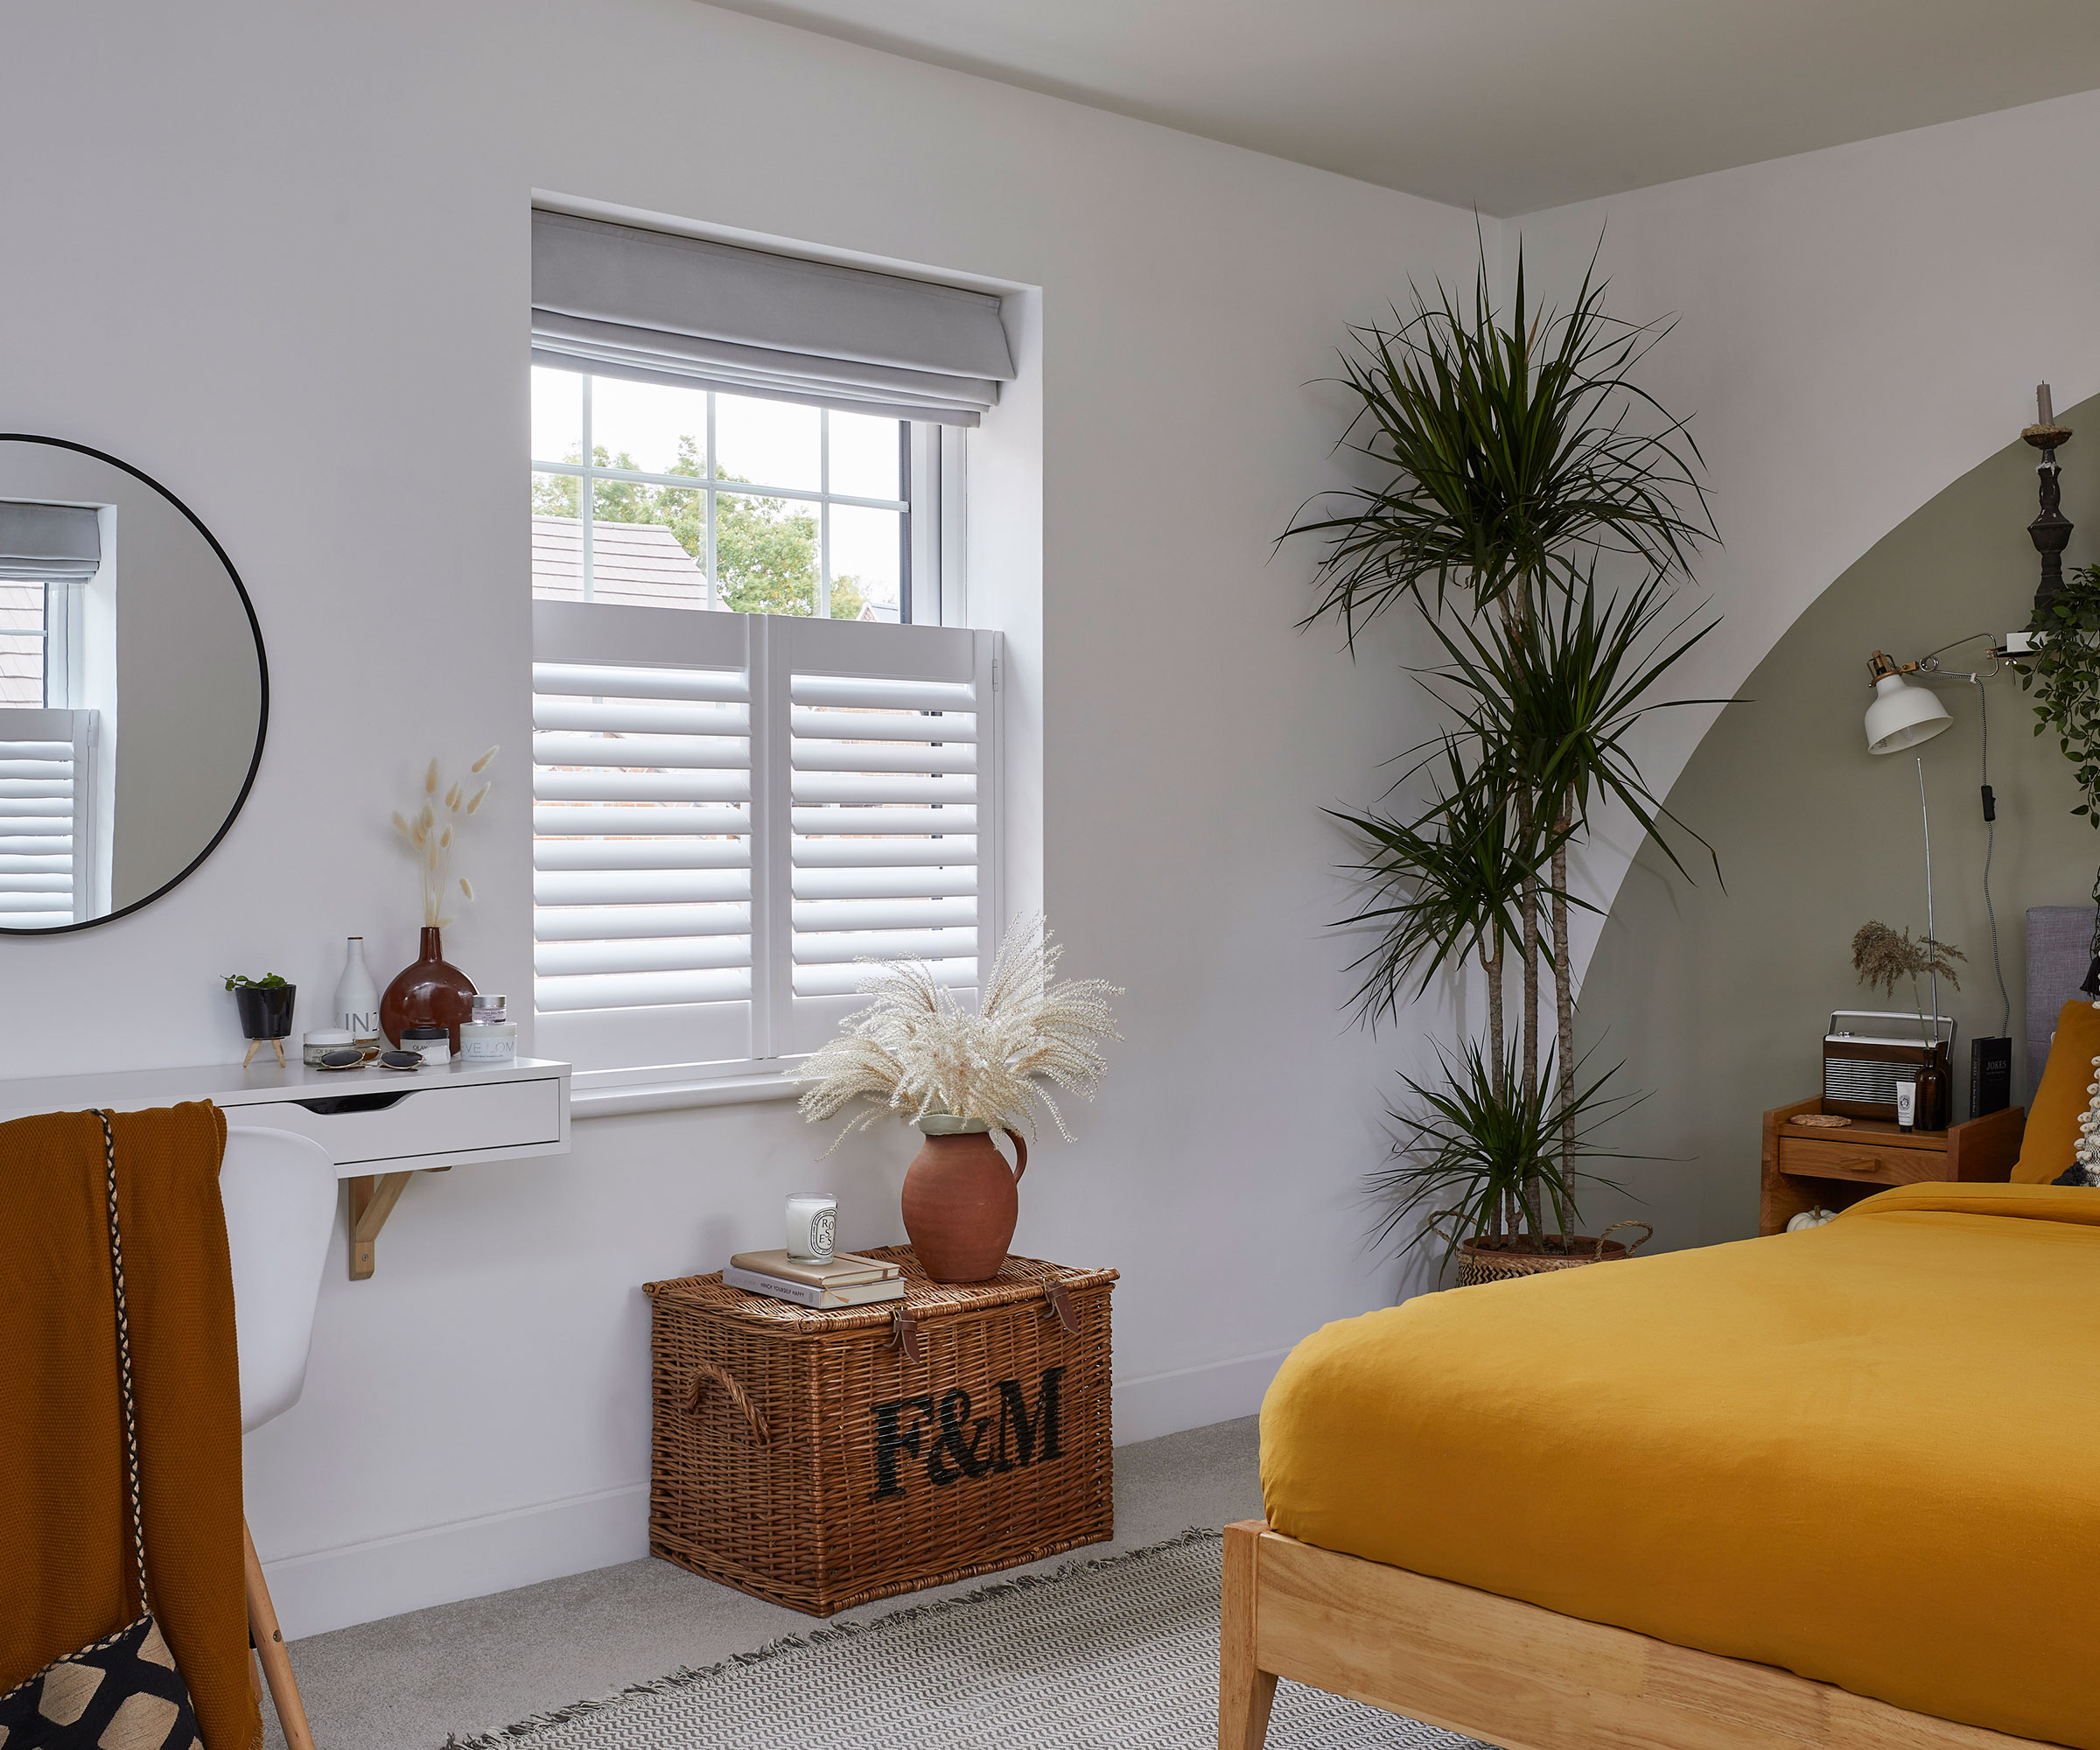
265, 1006
956, 1076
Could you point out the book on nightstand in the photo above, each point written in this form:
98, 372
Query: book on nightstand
808, 1294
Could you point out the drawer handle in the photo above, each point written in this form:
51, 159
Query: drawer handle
1871, 1164
333, 1103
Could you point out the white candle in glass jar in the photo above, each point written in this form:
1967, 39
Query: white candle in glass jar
812, 1227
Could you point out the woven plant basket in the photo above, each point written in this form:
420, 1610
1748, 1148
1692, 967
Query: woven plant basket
1480, 1263
823, 1459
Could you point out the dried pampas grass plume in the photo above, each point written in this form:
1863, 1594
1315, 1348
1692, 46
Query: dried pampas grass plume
431, 835
916, 1052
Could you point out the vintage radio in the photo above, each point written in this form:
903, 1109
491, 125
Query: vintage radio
1860, 1068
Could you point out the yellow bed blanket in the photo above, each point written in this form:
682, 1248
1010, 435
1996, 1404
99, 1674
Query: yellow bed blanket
1869, 1452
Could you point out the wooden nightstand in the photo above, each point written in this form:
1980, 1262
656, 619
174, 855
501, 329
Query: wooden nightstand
1807, 1168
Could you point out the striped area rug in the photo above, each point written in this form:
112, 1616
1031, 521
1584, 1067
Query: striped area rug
1119, 1653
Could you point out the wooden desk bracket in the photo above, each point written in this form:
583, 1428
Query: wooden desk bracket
373, 1196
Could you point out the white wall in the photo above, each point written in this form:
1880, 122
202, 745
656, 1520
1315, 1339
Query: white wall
296, 291
1857, 328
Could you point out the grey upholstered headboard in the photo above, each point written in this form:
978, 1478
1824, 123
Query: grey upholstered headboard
2060, 948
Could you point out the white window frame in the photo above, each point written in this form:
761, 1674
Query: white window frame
770, 651
921, 570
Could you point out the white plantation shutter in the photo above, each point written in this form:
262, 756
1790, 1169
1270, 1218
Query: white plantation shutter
730, 809
47, 854
891, 746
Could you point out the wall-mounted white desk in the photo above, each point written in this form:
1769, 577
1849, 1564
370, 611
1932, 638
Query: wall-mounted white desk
378, 1125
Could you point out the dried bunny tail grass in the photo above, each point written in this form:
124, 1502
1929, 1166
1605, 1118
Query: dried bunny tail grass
452, 798
430, 835
475, 800
429, 780
914, 1050
467, 887
481, 764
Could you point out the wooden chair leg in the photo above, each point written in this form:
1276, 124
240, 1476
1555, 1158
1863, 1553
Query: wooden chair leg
270, 1649
1245, 1692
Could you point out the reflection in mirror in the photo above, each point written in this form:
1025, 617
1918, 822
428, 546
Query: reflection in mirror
133, 691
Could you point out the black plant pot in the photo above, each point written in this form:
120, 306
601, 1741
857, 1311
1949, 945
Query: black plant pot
266, 1011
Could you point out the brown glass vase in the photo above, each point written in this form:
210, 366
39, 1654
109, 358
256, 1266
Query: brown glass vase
431, 992
959, 1205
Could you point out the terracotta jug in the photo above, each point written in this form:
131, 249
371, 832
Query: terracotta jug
430, 991
960, 1203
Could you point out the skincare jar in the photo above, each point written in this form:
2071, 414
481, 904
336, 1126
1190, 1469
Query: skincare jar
324, 1040
434, 1044
491, 1036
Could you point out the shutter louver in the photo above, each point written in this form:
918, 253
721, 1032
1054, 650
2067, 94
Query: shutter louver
44, 766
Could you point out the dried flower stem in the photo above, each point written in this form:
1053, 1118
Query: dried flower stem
431, 831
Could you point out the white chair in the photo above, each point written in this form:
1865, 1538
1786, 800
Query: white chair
279, 1194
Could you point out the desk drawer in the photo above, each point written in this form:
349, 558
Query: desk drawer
1862, 1161
376, 1123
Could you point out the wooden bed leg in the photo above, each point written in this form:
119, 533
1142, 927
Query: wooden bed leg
269, 1651
1244, 1690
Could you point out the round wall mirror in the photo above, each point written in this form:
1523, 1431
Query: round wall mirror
133, 689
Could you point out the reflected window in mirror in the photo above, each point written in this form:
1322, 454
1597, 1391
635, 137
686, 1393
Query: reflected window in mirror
54, 673
133, 691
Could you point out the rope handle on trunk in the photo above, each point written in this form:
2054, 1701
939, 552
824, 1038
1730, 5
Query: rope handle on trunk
1648, 1233
709, 1373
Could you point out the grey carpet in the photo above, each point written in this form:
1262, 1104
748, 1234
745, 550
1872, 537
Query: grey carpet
478, 1664
1119, 1652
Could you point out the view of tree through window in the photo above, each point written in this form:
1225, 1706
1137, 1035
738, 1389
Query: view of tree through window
801, 512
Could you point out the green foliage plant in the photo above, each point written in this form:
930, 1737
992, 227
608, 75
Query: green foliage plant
1479, 1143
1516, 453
237, 981
2064, 676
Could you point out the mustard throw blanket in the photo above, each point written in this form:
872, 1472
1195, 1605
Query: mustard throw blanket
1869, 1452
65, 1545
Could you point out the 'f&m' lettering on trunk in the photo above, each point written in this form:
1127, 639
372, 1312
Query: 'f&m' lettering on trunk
953, 1444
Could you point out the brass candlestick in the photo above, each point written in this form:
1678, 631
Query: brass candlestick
2051, 531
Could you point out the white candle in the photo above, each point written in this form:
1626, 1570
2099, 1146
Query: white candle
2042, 405
812, 1227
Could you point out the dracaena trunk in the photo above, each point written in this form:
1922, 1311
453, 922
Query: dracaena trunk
1564, 1008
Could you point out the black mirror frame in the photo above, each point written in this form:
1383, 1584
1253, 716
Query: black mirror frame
255, 628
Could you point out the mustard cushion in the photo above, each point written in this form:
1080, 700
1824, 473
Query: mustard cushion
1862, 1453
2045, 1150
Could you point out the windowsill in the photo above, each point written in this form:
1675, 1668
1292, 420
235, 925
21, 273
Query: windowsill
678, 1096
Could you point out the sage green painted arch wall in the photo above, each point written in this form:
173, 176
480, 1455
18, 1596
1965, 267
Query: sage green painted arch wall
1718, 999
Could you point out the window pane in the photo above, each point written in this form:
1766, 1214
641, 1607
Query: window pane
22, 644
557, 415
557, 538
864, 563
648, 545
768, 443
865, 456
650, 428
766, 554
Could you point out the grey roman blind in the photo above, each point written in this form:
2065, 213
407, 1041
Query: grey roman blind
59, 543
620, 301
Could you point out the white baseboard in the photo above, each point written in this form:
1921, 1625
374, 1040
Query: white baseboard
1193, 1397
467, 1558
494, 1552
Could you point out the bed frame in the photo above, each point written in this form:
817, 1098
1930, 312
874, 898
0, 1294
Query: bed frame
1512, 1674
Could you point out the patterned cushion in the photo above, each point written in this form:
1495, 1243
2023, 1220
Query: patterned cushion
119, 1694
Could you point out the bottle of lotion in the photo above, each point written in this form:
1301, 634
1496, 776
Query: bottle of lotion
357, 998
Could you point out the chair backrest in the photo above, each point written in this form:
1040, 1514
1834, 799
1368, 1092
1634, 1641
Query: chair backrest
279, 1193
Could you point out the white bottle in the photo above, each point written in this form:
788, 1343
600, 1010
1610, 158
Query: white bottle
357, 998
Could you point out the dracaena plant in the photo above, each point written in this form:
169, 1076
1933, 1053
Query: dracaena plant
1514, 450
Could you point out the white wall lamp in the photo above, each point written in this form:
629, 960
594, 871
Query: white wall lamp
1903, 714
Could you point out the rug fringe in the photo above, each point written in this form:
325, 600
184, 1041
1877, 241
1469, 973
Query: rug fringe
688, 1675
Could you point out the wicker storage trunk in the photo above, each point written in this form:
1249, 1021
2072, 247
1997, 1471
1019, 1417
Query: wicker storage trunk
821, 1459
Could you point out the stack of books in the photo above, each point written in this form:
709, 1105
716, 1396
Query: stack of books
848, 1280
